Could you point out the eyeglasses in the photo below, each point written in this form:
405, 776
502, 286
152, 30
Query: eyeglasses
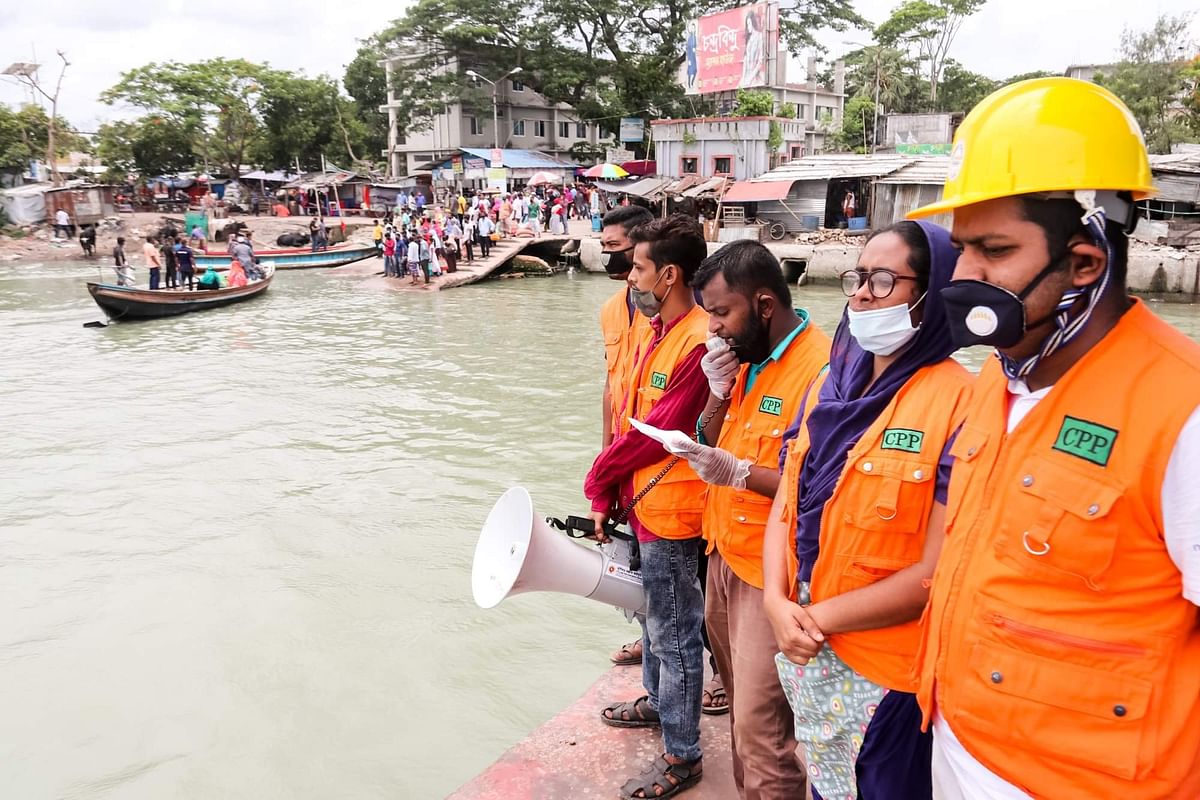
880, 282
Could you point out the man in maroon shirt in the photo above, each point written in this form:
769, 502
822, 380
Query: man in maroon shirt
668, 390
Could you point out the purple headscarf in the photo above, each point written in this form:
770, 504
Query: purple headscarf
843, 412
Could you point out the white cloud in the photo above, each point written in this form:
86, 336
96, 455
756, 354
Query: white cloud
102, 40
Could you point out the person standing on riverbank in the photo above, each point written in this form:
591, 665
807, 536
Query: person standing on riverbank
153, 260
1061, 652
668, 390
622, 328
485, 230
62, 225
771, 355
414, 260
389, 257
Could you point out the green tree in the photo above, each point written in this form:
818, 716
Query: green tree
25, 136
1152, 78
149, 146
961, 89
858, 125
218, 101
304, 119
366, 83
900, 84
607, 58
754, 103
928, 28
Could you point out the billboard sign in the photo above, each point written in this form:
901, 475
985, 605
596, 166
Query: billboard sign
731, 50
632, 129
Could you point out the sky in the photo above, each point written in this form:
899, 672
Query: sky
101, 40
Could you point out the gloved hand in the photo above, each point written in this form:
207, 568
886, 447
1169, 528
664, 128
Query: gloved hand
718, 467
720, 366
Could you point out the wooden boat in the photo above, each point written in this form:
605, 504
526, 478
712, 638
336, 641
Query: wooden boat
127, 303
293, 257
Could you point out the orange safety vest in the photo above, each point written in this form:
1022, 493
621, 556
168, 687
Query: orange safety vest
754, 424
673, 508
875, 523
621, 339
1060, 647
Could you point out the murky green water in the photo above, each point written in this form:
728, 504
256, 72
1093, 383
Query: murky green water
235, 547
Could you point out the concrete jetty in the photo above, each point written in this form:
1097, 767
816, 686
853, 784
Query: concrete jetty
575, 756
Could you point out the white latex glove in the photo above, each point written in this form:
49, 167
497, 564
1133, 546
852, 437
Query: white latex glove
720, 366
718, 467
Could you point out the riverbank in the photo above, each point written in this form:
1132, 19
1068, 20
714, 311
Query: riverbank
39, 244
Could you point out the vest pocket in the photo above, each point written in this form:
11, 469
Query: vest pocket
1021, 701
1057, 522
889, 494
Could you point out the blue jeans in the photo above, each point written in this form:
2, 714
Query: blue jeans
672, 650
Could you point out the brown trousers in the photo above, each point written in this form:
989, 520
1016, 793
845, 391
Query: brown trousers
765, 763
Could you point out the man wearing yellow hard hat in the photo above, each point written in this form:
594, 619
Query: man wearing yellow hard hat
1061, 654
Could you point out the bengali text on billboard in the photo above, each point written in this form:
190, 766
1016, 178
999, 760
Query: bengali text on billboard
731, 50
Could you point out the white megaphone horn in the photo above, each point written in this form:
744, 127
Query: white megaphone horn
518, 552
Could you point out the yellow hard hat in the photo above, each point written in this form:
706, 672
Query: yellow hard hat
1044, 135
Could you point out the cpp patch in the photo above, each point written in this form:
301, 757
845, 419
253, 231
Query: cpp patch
905, 439
658, 380
771, 405
1087, 440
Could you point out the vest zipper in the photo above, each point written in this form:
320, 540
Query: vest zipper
1066, 639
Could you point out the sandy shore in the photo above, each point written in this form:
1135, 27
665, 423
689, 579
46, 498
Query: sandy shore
39, 246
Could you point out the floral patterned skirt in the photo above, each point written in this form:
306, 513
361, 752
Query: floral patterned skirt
833, 706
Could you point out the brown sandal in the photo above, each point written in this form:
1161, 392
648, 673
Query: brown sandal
663, 779
629, 655
632, 714
714, 702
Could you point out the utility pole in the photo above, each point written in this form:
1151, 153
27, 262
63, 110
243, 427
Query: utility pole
27, 74
495, 114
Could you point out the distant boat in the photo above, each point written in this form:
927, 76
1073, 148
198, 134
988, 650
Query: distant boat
293, 257
128, 303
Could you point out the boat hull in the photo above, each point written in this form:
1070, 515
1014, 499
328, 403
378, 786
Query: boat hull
298, 258
124, 303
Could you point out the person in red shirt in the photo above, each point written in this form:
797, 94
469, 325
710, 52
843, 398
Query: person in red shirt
662, 497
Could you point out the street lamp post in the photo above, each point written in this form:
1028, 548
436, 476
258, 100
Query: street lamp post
495, 114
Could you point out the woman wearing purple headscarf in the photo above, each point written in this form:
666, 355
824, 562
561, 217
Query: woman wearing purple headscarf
858, 521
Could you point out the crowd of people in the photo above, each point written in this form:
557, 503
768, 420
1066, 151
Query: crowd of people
424, 242
936, 584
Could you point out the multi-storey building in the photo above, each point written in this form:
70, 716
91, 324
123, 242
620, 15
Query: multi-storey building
525, 119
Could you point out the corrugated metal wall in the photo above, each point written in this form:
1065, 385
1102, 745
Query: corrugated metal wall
894, 200
805, 198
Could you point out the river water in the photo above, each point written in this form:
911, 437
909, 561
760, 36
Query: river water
235, 549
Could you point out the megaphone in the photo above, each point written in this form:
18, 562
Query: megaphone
518, 552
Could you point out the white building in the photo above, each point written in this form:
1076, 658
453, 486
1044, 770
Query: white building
734, 147
527, 121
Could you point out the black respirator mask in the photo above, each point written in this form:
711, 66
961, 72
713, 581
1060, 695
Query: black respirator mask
616, 262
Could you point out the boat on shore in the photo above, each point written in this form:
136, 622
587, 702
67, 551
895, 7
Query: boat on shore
293, 257
129, 303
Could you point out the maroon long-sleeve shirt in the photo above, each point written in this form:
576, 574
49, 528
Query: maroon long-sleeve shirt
609, 483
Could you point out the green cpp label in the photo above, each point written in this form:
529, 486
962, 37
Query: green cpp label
905, 439
1087, 440
771, 405
658, 380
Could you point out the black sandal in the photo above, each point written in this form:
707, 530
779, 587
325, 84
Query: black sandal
665, 777
631, 714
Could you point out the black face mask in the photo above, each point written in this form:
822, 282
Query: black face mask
983, 313
616, 262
